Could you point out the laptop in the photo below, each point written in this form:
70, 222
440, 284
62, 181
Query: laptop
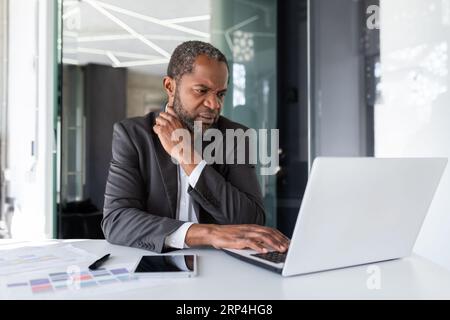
356, 211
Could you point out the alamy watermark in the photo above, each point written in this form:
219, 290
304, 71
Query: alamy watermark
374, 280
249, 146
73, 277
373, 19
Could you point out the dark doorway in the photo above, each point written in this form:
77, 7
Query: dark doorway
292, 110
327, 88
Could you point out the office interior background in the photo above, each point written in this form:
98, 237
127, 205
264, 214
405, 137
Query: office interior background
336, 77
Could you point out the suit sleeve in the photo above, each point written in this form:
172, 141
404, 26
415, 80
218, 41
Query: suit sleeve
125, 219
231, 199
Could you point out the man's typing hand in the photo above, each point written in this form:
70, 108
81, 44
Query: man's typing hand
244, 236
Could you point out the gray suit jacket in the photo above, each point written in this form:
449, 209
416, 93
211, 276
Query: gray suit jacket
141, 189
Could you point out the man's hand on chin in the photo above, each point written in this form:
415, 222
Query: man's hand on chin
177, 140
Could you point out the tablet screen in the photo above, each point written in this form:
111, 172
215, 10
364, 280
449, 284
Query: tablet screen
166, 263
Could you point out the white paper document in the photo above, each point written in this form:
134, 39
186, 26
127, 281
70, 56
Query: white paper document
30, 259
75, 283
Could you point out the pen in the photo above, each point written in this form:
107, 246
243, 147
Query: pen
99, 262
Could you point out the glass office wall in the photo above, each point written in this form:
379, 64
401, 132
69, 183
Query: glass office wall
379, 85
343, 59
28, 102
412, 118
246, 31
4, 228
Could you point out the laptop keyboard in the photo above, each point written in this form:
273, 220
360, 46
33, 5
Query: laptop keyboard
273, 256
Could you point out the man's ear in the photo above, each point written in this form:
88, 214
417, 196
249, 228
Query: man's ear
170, 86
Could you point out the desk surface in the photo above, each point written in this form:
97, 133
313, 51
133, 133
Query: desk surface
224, 277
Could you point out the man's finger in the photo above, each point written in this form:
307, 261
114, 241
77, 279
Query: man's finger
161, 121
256, 246
281, 235
267, 240
171, 111
270, 232
268, 229
278, 234
167, 116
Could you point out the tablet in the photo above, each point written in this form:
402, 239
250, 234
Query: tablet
167, 266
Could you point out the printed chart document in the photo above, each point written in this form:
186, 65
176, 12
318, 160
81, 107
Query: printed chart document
76, 283
60, 271
29, 259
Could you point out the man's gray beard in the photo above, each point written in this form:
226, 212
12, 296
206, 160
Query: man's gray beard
181, 113
188, 122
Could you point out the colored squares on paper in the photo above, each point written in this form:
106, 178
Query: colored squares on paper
81, 277
19, 284
40, 285
41, 288
126, 278
100, 273
106, 281
37, 282
119, 271
86, 284
60, 281
60, 287
59, 276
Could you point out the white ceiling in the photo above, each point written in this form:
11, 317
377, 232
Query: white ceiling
127, 33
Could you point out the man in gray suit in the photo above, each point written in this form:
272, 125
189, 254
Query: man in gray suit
154, 203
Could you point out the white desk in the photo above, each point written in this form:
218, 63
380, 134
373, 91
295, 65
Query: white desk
224, 277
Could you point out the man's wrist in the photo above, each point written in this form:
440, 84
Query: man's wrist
177, 238
200, 235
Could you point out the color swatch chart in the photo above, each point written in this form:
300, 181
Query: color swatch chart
61, 281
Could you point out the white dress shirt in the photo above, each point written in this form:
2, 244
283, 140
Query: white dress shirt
186, 207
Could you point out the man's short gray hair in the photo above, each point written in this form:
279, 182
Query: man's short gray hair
183, 57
